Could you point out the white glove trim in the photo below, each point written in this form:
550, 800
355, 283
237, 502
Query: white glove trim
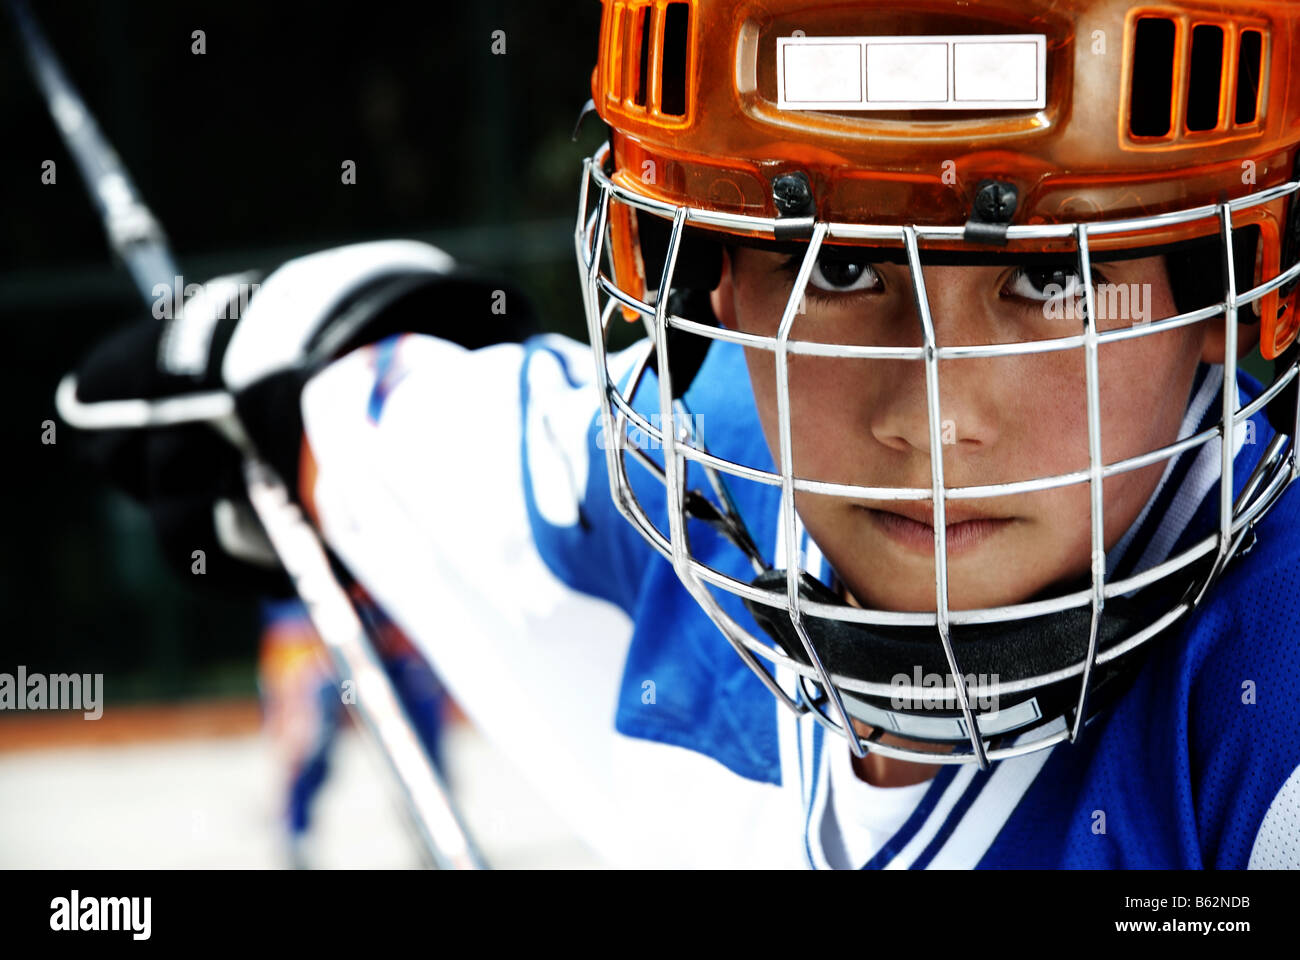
294, 300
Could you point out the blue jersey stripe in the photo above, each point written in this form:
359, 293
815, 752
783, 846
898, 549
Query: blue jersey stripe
894, 846
817, 735
957, 814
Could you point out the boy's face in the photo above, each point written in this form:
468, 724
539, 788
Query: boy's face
1004, 418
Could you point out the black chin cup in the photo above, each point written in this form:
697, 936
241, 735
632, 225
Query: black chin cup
987, 654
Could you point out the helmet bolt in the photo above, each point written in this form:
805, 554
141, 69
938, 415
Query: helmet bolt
995, 201
792, 194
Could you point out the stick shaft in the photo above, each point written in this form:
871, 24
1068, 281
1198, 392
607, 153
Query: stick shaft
359, 670
133, 232
139, 242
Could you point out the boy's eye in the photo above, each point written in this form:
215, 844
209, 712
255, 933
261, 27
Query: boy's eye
1042, 284
843, 276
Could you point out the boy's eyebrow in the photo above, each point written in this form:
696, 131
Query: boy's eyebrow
860, 255
867, 253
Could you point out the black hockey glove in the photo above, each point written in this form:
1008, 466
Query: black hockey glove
260, 341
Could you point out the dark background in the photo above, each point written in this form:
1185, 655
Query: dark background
238, 152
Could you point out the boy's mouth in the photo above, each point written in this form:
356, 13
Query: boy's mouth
912, 526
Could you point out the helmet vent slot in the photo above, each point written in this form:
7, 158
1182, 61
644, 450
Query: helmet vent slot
646, 59
1206, 77
1188, 79
641, 32
673, 75
1250, 47
1152, 87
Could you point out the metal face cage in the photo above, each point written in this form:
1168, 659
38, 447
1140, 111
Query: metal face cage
816, 689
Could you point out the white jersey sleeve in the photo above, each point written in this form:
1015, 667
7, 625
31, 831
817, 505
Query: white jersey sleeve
438, 471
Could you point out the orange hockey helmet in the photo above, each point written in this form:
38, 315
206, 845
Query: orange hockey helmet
984, 132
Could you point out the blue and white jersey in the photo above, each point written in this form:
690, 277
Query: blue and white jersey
469, 493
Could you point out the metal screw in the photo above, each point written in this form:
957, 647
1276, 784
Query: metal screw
792, 194
995, 201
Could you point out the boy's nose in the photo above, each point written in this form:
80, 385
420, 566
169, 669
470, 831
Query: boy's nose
900, 416
971, 390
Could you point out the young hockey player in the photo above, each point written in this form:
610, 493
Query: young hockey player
920, 530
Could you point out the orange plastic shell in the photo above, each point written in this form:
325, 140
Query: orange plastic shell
1073, 160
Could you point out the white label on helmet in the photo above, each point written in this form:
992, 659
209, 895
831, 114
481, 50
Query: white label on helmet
971, 72
823, 72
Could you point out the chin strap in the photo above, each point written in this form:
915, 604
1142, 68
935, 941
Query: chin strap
989, 654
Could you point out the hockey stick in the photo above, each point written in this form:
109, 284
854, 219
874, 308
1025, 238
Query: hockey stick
138, 240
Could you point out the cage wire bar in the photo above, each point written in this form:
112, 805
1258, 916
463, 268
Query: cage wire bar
1277, 466
589, 237
1092, 377
922, 299
793, 547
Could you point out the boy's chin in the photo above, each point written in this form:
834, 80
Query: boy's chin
967, 590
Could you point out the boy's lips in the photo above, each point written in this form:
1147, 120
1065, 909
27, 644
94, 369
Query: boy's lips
912, 525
